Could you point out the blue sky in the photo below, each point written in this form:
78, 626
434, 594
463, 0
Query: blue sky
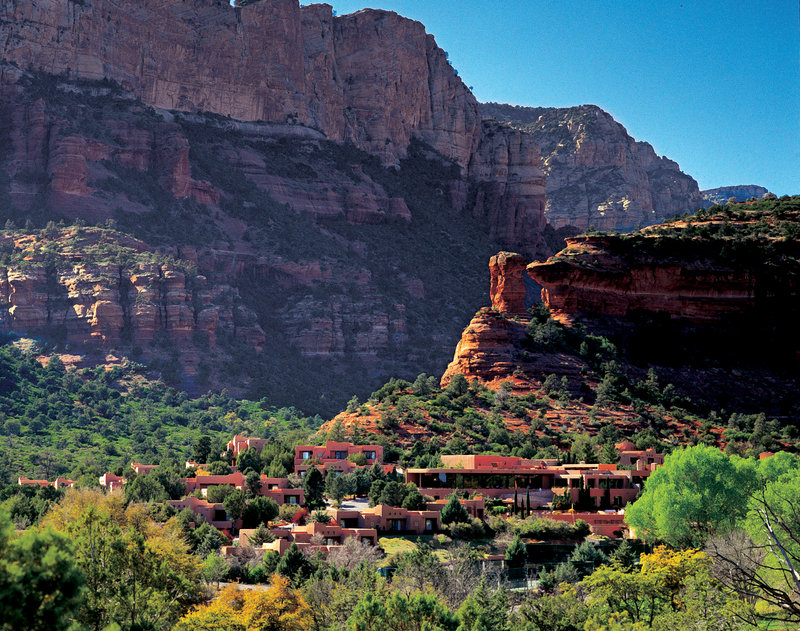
714, 86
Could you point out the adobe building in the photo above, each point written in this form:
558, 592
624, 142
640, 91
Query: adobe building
490, 476
641, 459
602, 488
539, 480
238, 444
58, 483
609, 524
333, 456
279, 489
111, 482
212, 512
143, 469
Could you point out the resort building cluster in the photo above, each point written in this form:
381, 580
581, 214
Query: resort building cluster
595, 493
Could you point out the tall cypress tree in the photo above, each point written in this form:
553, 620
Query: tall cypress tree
515, 502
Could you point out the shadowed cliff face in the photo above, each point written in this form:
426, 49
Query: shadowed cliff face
372, 78
709, 302
346, 264
99, 290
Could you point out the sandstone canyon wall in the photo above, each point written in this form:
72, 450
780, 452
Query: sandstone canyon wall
597, 175
372, 78
708, 304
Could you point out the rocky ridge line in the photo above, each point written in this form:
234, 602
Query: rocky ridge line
597, 174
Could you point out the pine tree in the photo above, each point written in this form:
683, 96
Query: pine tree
314, 488
294, 565
454, 511
516, 554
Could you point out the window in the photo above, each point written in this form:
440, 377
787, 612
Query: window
370, 455
340, 455
306, 455
292, 499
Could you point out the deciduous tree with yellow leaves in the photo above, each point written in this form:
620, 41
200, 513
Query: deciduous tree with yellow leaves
278, 608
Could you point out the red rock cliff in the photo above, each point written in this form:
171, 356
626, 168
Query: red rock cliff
590, 278
597, 174
372, 78
493, 347
714, 288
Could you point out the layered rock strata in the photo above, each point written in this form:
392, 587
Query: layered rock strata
85, 297
591, 279
306, 159
697, 297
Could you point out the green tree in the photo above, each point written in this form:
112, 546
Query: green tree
235, 503
41, 587
215, 568
565, 611
145, 488
339, 486
138, 574
584, 449
696, 493
415, 612
516, 553
252, 483
762, 559
586, 557
249, 459
219, 467
643, 595
319, 516
201, 450
261, 535
454, 511
259, 510
393, 494
218, 492
482, 611
458, 386
369, 614
314, 488
295, 566
414, 500
207, 540
609, 454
